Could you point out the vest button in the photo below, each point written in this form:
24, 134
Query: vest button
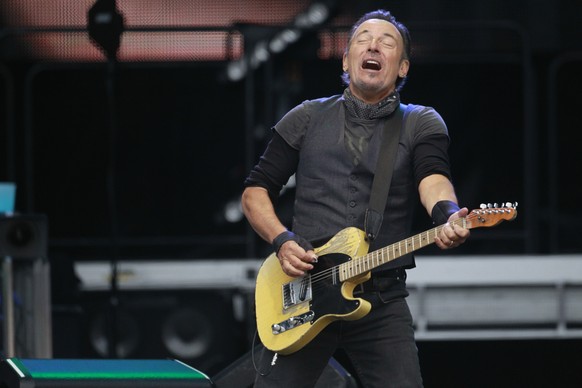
354, 177
352, 203
353, 189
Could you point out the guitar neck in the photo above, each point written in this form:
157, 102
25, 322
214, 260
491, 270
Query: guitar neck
361, 265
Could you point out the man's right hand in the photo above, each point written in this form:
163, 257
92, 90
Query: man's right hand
295, 260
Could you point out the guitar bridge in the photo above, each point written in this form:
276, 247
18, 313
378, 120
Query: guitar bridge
297, 291
292, 322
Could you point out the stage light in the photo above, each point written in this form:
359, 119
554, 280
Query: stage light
277, 44
282, 39
233, 211
260, 54
291, 35
315, 16
236, 70
318, 13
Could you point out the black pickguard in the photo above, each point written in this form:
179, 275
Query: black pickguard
326, 290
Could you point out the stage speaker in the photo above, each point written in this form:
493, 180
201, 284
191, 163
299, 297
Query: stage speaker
69, 373
23, 236
197, 327
26, 304
241, 374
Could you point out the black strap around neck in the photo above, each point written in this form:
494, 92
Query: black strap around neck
383, 175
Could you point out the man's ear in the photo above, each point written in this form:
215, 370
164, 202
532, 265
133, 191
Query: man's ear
345, 62
404, 67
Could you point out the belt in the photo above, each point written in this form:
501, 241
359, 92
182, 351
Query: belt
381, 281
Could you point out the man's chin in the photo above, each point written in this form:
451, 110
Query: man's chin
370, 88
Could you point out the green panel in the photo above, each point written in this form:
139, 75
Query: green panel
64, 369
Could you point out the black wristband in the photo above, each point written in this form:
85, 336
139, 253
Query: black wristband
287, 236
442, 210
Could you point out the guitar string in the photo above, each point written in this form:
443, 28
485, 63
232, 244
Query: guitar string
362, 260
321, 279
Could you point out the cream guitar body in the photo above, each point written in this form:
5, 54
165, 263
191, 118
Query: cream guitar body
283, 300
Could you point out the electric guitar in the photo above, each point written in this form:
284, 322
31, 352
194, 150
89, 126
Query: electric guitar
291, 311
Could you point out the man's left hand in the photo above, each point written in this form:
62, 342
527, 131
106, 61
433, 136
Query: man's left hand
451, 235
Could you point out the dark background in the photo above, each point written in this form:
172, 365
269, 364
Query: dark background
139, 158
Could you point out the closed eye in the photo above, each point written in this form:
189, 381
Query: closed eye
387, 42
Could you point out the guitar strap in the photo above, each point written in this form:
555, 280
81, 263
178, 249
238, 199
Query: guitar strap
383, 176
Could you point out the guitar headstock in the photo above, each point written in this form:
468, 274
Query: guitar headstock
491, 215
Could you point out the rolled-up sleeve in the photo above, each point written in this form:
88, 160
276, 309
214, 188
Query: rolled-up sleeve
277, 164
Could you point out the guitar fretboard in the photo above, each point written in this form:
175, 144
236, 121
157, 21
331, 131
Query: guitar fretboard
360, 265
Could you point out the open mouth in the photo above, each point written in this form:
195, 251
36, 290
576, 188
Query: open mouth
371, 64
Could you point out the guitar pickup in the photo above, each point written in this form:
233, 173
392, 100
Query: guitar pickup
297, 291
292, 322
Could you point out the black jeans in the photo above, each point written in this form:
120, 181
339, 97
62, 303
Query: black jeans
381, 347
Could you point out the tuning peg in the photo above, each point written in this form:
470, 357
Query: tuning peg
483, 206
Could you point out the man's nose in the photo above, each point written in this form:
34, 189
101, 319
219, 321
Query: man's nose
373, 45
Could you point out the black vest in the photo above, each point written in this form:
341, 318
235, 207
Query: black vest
333, 194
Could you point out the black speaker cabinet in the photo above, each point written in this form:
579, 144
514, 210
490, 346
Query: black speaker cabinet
90, 373
23, 236
195, 326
